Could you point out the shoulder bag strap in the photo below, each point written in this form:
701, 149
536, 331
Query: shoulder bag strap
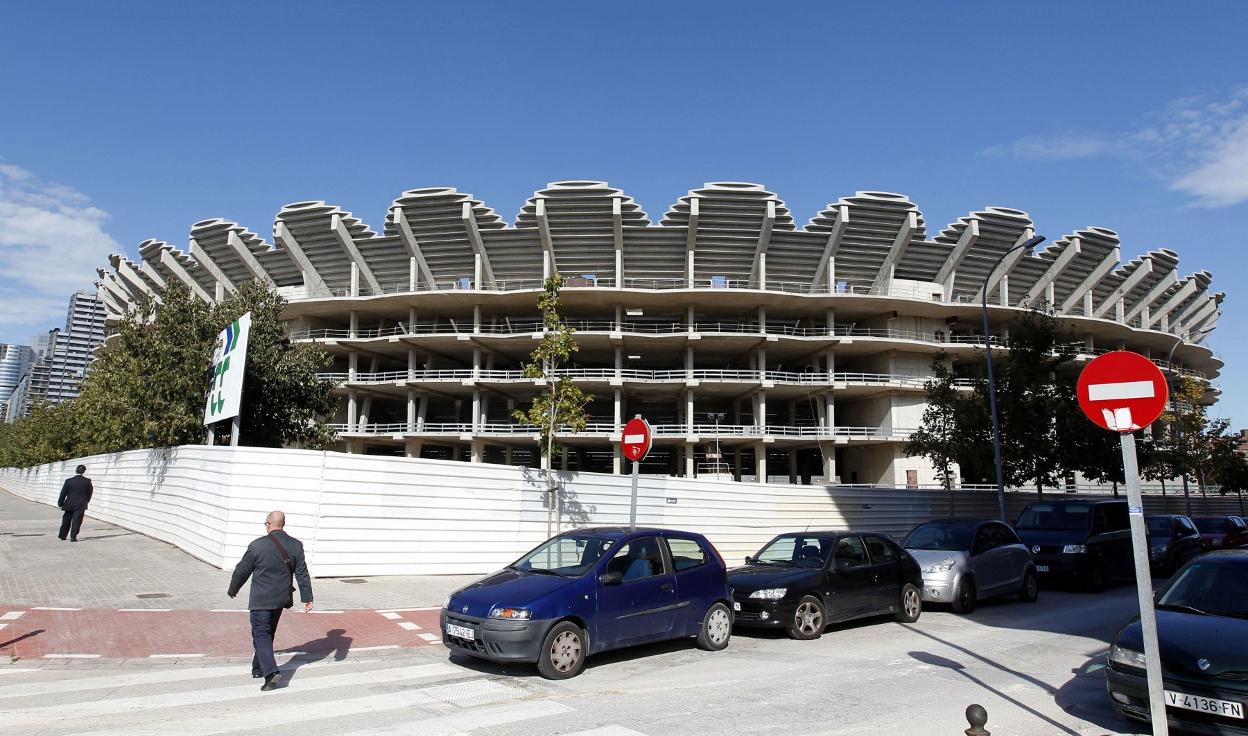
285, 557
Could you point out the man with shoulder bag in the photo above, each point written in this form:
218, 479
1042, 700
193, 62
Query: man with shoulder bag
271, 562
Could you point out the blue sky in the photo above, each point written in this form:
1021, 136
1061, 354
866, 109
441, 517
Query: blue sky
123, 121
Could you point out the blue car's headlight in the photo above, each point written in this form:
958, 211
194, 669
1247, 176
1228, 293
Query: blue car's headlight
514, 614
1127, 657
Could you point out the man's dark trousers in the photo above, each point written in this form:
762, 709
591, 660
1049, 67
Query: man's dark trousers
263, 629
71, 522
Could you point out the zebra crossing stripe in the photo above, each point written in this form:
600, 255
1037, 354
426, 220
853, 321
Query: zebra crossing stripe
136, 705
273, 715
471, 720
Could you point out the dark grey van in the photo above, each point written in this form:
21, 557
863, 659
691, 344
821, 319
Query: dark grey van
1084, 541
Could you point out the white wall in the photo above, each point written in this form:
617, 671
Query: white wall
368, 515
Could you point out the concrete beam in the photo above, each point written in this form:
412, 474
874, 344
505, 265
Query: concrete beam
353, 252
1170, 278
1007, 265
827, 267
764, 240
896, 251
312, 279
1098, 273
153, 275
132, 278
168, 261
691, 240
205, 260
109, 282
413, 248
478, 245
1055, 269
1209, 309
249, 260
617, 232
1180, 321
1129, 283
1185, 292
949, 269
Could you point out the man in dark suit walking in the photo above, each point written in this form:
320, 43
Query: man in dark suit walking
75, 496
271, 561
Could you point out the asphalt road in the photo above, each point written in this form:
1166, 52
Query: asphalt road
1035, 667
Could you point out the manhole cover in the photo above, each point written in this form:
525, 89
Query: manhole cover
153, 595
354, 581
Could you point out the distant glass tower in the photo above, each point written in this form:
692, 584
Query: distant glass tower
15, 360
57, 375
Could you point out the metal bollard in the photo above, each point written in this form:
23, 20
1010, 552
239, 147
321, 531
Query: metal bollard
977, 717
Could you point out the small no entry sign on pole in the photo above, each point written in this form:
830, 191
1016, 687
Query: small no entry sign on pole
1124, 392
635, 445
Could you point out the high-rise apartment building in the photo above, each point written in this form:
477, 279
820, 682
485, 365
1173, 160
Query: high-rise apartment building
14, 361
57, 375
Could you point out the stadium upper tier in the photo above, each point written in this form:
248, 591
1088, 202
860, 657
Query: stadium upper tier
725, 235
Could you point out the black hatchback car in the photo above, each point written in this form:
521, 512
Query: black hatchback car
802, 581
1202, 632
1085, 541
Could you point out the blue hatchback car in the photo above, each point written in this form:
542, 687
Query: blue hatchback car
591, 590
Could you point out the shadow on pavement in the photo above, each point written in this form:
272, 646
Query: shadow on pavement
334, 642
1084, 695
23, 637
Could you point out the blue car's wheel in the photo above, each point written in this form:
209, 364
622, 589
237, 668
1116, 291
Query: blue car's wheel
563, 652
716, 628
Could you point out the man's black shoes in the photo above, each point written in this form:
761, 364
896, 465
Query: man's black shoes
270, 682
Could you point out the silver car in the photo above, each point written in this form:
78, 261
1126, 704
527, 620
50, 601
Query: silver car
965, 561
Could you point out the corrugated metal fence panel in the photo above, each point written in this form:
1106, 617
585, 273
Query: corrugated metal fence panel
369, 515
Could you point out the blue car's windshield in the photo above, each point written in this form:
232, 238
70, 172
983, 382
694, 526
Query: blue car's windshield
1056, 517
941, 535
1158, 526
1217, 588
568, 555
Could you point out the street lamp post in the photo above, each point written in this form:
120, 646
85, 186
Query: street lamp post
716, 416
992, 381
1178, 420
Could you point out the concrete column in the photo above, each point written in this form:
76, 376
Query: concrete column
618, 416
762, 409
365, 410
1004, 290
507, 456
762, 363
218, 293
1120, 310
689, 363
619, 317
762, 271
411, 410
476, 363
355, 323
353, 365
689, 458
412, 362
476, 319
422, 411
355, 279
792, 467
411, 320
563, 459
411, 274
760, 461
762, 319
411, 448
352, 412
476, 271
1050, 293
736, 464
829, 410
617, 460
476, 409
619, 365
829, 461
830, 359
1087, 303
457, 453
477, 450
689, 411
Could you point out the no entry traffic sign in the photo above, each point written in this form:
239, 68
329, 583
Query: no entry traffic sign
1122, 391
635, 442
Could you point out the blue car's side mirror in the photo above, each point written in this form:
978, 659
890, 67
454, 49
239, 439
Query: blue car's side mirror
611, 578
749, 560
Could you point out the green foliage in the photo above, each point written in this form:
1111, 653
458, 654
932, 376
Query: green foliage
148, 384
944, 431
561, 407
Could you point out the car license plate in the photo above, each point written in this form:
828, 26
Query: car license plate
1205, 705
736, 605
1042, 568
461, 632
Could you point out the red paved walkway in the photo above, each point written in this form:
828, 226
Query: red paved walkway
36, 633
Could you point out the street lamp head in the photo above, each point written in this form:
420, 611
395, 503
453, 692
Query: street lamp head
1032, 242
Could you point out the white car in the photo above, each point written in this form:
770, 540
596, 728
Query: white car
965, 561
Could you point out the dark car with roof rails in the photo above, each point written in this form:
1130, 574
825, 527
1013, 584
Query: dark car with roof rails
591, 590
1172, 540
1084, 541
802, 581
1202, 636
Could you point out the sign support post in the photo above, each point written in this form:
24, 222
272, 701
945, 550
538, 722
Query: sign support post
1144, 586
635, 445
1124, 392
234, 429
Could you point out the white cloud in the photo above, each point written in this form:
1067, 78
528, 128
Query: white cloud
1198, 146
51, 241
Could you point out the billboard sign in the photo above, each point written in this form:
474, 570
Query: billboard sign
229, 361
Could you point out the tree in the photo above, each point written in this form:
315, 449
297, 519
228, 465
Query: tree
148, 384
940, 438
561, 406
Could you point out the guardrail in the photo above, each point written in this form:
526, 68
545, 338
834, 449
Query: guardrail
702, 431
812, 378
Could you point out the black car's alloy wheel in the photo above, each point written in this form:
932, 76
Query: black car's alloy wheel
716, 628
1031, 588
563, 652
1095, 582
808, 620
965, 597
911, 604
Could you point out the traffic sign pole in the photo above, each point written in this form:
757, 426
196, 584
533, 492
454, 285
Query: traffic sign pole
1123, 392
632, 506
634, 445
1144, 586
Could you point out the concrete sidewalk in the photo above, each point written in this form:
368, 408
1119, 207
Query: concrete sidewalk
111, 568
